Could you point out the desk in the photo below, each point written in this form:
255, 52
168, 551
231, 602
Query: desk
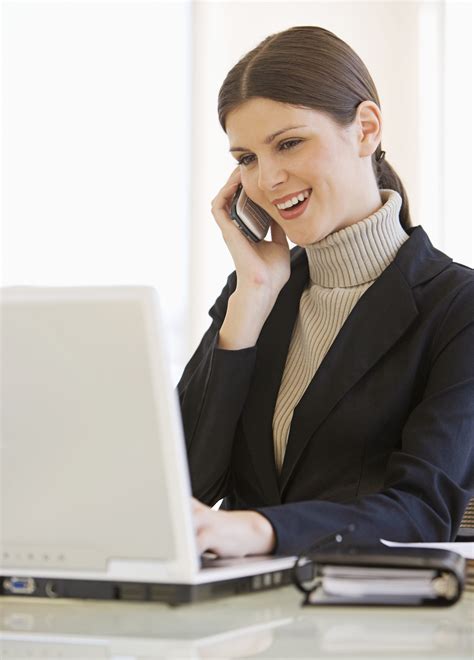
263, 625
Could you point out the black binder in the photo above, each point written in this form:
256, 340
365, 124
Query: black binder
380, 575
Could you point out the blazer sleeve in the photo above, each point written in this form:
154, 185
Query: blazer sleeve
430, 479
212, 391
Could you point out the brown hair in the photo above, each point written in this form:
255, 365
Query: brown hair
309, 66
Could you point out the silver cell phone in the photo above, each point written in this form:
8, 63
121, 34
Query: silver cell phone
251, 219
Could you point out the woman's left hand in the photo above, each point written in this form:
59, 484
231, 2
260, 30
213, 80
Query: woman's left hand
232, 533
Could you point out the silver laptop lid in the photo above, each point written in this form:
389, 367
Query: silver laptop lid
93, 467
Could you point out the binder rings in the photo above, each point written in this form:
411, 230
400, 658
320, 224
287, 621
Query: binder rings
379, 575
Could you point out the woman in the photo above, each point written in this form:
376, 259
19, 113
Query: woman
335, 384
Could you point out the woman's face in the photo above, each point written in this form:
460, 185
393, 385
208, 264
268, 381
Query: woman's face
333, 164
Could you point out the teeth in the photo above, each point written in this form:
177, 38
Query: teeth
294, 200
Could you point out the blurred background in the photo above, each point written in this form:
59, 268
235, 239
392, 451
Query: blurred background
112, 150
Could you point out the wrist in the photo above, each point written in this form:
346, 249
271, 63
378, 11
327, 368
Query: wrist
247, 311
259, 296
263, 534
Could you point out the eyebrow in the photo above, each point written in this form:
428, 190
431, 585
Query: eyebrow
269, 138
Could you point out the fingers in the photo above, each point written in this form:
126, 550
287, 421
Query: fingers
220, 207
207, 525
201, 514
203, 525
224, 200
224, 197
203, 541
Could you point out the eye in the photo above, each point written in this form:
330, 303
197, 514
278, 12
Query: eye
283, 146
289, 144
243, 161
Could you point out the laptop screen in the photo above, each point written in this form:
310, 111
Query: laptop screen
83, 468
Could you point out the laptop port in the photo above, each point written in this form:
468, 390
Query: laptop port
19, 585
51, 589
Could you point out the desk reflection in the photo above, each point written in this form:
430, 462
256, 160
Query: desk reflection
265, 625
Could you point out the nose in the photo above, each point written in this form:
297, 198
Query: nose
270, 175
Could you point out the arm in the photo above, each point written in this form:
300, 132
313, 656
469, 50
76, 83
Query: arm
212, 391
215, 382
430, 479
428, 482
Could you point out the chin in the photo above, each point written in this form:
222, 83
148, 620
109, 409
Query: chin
305, 241
309, 231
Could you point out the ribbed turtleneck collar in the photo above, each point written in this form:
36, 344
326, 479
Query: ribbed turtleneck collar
359, 253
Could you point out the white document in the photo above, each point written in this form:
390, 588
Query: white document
360, 581
465, 549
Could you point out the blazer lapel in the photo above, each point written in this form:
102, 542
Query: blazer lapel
272, 349
379, 318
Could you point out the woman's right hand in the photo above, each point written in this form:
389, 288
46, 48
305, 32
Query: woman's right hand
262, 269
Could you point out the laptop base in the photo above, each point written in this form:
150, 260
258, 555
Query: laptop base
173, 594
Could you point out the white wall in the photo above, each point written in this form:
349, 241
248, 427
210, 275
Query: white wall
96, 142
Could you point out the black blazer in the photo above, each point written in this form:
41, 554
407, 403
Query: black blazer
383, 436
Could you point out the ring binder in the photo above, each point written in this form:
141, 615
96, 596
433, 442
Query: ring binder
379, 575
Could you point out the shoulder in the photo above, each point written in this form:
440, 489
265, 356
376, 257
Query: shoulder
456, 295
442, 289
430, 273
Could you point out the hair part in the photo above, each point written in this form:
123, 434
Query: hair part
310, 67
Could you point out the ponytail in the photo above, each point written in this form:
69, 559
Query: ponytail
388, 178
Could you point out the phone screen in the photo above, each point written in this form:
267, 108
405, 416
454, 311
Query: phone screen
251, 219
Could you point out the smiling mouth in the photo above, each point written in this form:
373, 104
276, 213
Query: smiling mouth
296, 210
281, 206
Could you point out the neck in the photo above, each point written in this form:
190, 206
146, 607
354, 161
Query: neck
358, 253
362, 208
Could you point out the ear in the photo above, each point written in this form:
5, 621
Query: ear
368, 120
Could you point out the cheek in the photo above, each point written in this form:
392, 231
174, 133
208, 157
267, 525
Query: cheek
320, 164
325, 156
248, 181
250, 185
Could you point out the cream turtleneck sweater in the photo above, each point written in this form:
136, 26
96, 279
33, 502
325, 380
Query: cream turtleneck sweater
342, 267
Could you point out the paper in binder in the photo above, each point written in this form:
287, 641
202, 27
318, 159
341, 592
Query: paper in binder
378, 575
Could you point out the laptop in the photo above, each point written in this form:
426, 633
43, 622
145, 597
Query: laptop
94, 478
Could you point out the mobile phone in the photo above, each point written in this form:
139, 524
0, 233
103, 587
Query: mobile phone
251, 219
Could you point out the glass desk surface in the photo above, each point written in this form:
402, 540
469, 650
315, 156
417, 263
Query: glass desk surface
264, 625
